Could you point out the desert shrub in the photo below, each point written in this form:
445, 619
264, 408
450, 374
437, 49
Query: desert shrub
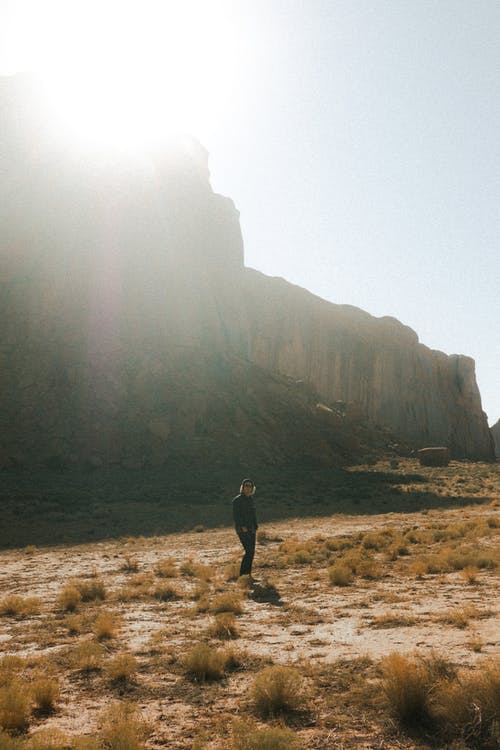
47, 739
45, 694
278, 690
91, 590
14, 707
165, 592
224, 626
369, 569
87, 656
122, 668
232, 571
461, 616
122, 728
392, 620
468, 707
17, 606
106, 626
469, 573
129, 564
247, 736
69, 599
85, 743
377, 540
227, 602
75, 624
7, 742
166, 568
191, 569
340, 575
406, 684
203, 663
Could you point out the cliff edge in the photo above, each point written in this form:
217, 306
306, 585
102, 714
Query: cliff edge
133, 334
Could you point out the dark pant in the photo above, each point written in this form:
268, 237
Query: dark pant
247, 538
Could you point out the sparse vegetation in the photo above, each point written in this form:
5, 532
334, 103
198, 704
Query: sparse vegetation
122, 668
226, 602
248, 736
340, 575
87, 656
122, 728
14, 707
106, 626
277, 690
16, 606
203, 663
69, 599
435, 575
223, 626
45, 694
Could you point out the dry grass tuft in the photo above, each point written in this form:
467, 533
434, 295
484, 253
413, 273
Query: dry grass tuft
129, 564
470, 573
16, 606
166, 592
69, 599
340, 575
468, 707
224, 626
91, 590
460, 617
47, 739
191, 569
204, 663
87, 656
14, 707
122, 728
226, 602
7, 742
122, 668
75, 624
278, 690
392, 620
232, 571
248, 736
45, 694
166, 568
406, 685
106, 626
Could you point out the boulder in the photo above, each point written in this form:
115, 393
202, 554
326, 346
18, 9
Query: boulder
434, 456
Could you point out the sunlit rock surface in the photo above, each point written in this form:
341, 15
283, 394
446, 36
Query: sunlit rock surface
132, 333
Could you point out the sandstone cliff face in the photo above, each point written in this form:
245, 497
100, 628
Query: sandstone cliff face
132, 333
495, 431
378, 365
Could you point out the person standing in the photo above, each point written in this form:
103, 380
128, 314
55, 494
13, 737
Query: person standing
245, 523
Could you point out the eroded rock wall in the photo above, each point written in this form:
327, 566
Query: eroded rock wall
131, 332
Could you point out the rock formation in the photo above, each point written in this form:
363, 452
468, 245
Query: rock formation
495, 431
132, 333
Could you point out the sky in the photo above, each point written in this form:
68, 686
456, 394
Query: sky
357, 138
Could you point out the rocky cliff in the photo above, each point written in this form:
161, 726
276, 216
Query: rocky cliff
495, 431
132, 333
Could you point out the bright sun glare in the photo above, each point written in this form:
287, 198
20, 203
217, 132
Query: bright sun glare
127, 73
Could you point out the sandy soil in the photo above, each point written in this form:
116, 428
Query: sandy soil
312, 623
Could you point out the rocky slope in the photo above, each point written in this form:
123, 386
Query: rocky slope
132, 332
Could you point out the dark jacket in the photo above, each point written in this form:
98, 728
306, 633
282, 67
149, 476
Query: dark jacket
244, 513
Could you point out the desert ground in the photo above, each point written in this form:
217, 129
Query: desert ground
372, 621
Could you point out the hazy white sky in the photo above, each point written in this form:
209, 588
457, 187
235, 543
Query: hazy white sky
358, 138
